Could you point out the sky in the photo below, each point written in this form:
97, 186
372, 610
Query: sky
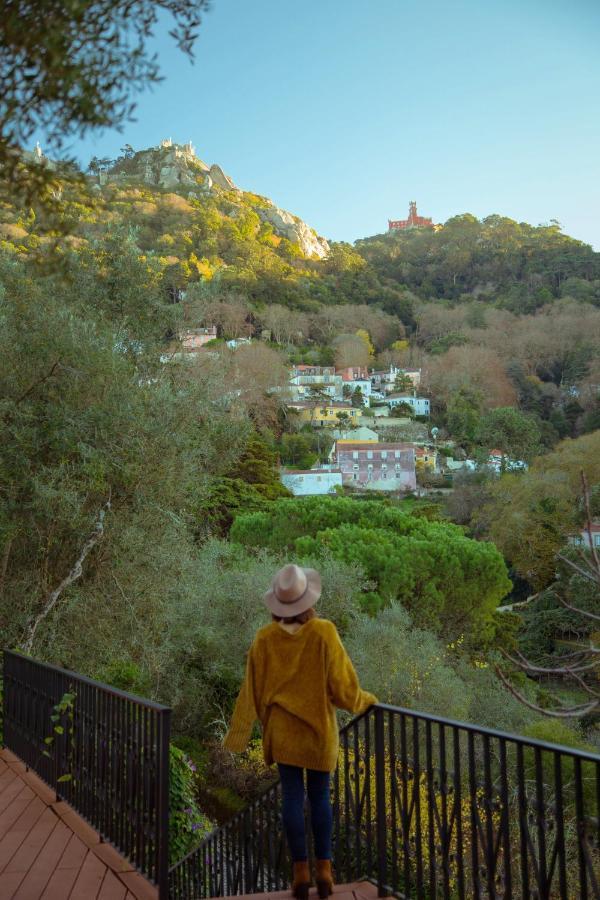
342, 111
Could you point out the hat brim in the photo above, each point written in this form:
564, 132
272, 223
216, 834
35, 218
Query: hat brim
308, 598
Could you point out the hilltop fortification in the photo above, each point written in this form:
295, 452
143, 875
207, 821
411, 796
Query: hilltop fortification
176, 167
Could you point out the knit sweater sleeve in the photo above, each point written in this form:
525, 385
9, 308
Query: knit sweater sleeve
244, 712
342, 680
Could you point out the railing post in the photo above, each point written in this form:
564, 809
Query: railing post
380, 810
163, 806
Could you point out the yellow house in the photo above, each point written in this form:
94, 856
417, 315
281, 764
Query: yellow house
425, 458
330, 414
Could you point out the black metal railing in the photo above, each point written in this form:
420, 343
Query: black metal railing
428, 807
106, 753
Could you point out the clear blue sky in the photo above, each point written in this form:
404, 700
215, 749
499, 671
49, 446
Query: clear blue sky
344, 110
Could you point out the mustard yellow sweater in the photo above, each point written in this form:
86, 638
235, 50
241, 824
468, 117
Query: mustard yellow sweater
292, 685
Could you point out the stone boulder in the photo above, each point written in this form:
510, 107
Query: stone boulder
295, 230
222, 180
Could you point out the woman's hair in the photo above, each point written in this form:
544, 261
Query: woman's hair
301, 618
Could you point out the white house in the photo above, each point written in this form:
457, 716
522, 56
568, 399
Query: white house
305, 482
500, 462
385, 380
420, 405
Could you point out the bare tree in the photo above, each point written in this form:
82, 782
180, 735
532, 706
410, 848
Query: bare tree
575, 666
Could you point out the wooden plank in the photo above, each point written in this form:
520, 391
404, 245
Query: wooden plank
40, 787
112, 858
60, 884
89, 879
25, 856
74, 855
13, 839
9, 884
139, 886
11, 789
112, 888
8, 756
10, 816
41, 871
88, 835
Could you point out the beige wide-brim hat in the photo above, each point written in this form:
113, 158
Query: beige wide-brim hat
293, 591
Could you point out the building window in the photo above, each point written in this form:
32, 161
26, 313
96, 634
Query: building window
383, 466
397, 454
398, 473
597, 540
384, 454
355, 476
370, 455
355, 466
384, 474
355, 454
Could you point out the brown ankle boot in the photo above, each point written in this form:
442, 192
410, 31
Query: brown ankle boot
324, 878
301, 881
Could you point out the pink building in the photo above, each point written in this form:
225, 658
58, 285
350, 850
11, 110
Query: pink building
378, 467
196, 338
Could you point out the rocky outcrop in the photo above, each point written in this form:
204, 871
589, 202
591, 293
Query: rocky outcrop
295, 230
176, 166
222, 180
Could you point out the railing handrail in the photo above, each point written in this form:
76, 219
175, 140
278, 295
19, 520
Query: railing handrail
429, 717
586, 756
117, 764
108, 688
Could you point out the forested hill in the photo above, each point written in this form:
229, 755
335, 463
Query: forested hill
195, 226
517, 266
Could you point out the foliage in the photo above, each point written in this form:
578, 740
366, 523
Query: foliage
509, 430
68, 68
187, 824
449, 582
531, 514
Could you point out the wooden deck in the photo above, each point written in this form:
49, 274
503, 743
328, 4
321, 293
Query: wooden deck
362, 890
47, 851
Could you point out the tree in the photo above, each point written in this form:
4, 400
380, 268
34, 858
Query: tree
403, 383
66, 69
463, 415
531, 514
515, 433
357, 399
350, 350
448, 582
584, 663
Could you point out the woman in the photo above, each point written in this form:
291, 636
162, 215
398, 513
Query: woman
297, 672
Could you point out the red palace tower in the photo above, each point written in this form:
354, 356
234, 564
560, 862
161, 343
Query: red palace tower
414, 220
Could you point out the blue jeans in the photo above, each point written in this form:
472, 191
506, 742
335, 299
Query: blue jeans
321, 813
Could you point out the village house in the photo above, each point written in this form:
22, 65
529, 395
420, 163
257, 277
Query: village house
308, 482
354, 377
306, 380
582, 539
330, 415
420, 405
377, 466
501, 462
426, 459
195, 338
384, 381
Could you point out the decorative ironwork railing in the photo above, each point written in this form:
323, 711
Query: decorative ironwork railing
106, 753
428, 807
